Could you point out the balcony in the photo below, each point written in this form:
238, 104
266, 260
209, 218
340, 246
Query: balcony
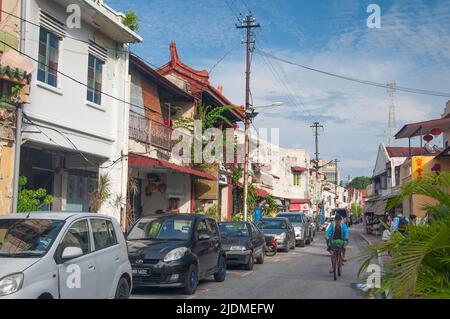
150, 132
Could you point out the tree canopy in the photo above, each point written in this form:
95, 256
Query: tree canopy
360, 182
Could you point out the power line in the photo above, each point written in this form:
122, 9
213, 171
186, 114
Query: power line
343, 77
221, 59
78, 81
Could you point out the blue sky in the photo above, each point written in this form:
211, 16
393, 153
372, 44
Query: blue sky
411, 48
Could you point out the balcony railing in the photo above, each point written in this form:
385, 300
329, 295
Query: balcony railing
150, 132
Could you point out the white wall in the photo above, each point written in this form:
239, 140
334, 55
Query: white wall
100, 131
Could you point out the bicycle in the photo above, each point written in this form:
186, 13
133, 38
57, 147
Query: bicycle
336, 260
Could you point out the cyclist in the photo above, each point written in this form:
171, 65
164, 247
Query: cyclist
337, 235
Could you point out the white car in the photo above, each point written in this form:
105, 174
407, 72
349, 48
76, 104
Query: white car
63, 255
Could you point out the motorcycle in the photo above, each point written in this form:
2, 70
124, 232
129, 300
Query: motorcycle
271, 246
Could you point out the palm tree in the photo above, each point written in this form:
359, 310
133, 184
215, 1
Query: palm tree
420, 263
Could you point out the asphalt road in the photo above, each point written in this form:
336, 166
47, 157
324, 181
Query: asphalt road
300, 274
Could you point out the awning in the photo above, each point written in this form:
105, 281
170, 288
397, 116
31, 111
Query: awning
299, 169
300, 201
422, 128
377, 207
369, 207
261, 192
139, 160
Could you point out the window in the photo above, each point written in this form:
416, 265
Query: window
95, 71
212, 230
78, 236
202, 229
104, 234
297, 179
48, 57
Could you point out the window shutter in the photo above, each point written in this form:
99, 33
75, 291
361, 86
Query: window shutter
52, 24
98, 51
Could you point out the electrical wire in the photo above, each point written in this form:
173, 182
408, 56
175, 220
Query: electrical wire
347, 78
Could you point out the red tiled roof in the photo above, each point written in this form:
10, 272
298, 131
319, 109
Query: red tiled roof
405, 151
299, 169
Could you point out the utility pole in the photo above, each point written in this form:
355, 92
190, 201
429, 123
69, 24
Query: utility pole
19, 117
316, 127
248, 24
336, 161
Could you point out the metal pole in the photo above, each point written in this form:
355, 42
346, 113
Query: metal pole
19, 118
336, 183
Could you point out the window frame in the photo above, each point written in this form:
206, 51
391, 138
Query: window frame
58, 252
46, 68
297, 179
94, 248
92, 93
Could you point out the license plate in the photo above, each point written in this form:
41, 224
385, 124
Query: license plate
144, 272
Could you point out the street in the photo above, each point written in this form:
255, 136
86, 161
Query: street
300, 274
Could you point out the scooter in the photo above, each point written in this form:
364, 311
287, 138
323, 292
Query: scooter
271, 246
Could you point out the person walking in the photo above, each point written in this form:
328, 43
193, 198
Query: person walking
400, 222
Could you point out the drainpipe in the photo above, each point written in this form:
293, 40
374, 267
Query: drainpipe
19, 116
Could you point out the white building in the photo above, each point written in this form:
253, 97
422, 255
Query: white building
77, 122
281, 172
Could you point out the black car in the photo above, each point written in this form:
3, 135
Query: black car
175, 251
243, 243
282, 229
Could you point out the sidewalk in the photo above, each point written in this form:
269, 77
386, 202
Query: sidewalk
375, 240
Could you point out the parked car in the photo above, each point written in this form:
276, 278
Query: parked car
281, 229
63, 255
243, 243
176, 251
303, 228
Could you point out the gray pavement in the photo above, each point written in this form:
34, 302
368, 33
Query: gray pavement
300, 274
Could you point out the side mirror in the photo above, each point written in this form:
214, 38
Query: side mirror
71, 253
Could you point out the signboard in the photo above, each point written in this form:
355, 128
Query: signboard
206, 189
418, 165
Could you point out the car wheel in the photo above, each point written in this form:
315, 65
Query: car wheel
250, 263
302, 243
220, 275
308, 241
260, 258
123, 289
191, 280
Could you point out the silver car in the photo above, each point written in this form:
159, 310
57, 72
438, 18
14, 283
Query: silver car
63, 255
303, 229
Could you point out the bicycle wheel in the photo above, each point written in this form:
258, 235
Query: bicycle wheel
333, 263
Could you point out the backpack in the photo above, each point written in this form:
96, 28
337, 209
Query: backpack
402, 224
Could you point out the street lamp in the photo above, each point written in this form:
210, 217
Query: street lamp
249, 115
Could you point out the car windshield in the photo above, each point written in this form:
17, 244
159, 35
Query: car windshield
293, 218
27, 237
234, 230
272, 224
171, 228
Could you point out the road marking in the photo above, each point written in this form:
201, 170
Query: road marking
247, 273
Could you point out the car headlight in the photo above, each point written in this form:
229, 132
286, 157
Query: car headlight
281, 236
176, 254
238, 248
10, 284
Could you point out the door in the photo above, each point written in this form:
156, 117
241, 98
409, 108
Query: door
215, 246
258, 240
201, 246
77, 276
107, 256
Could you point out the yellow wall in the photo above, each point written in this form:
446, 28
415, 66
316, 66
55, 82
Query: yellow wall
6, 167
421, 165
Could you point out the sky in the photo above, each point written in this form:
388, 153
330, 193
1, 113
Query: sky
410, 49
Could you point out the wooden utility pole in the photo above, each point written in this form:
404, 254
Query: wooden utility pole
316, 127
248, 24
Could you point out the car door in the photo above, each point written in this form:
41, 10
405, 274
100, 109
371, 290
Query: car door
215, 243
107, 256
77, 276
201, 246
258, 240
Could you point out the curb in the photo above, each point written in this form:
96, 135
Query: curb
380, 261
